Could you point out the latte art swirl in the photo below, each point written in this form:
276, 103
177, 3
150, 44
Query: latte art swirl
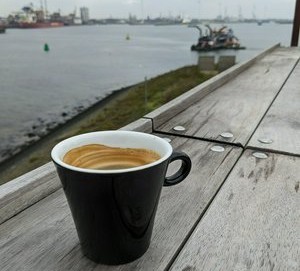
97, 156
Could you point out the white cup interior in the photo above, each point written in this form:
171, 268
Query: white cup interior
121, 139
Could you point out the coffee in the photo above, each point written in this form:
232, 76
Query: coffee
97, 156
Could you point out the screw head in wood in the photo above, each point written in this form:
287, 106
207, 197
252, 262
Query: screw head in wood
179, 128
227, 135
260, 155
265, 140
217, 148
167, 139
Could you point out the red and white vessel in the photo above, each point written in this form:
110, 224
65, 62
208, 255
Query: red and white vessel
28, 17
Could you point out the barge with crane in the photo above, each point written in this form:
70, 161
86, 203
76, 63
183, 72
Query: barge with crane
213, 40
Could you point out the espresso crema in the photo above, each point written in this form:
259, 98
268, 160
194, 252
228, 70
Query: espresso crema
97, 156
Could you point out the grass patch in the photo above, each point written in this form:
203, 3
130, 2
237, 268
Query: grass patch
144, 98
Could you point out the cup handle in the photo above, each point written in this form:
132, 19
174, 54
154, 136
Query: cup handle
184, 170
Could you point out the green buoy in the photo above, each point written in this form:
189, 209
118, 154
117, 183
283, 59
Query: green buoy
46, 47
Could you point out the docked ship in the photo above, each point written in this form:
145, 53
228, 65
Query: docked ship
28, 17
2, 28
40, 24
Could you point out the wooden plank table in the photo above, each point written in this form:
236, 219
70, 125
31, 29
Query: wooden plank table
280, 128
233, 212
253, 223
238, 106
43, 237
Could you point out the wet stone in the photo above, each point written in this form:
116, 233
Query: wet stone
30, 135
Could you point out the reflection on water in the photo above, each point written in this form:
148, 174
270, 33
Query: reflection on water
86, 63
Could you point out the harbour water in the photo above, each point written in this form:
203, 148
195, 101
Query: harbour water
40, 89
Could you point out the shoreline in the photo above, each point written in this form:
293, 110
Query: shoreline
38, 132
118, 109
60, 127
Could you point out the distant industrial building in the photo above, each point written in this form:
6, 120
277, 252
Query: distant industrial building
85, 16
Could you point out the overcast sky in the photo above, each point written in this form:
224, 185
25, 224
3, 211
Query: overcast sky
155, 8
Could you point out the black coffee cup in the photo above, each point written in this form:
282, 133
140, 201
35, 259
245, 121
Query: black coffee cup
114, 210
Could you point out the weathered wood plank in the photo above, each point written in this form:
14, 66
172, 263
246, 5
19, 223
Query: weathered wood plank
282, 123
26, 190
43, 237
254, 221
167, 111
238, 106
140, 125
34, 231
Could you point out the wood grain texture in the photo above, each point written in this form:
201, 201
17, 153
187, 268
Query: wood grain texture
254, 221
43, 237
26, 190
238, 106
38, 236
167, 111
282, 122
